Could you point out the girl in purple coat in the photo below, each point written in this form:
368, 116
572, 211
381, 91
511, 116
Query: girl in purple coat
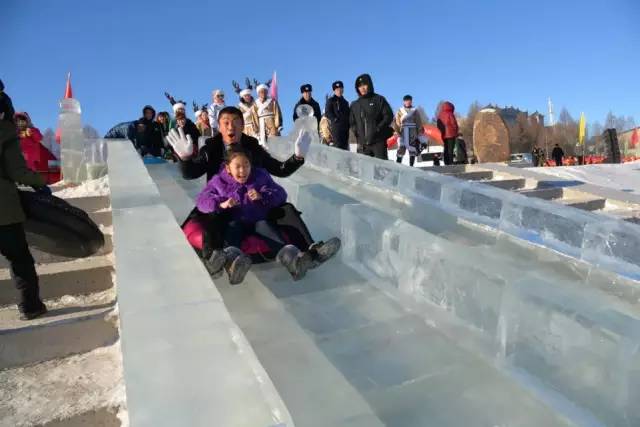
238, 200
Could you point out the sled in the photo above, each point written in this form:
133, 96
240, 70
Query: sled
287, 219
54, 226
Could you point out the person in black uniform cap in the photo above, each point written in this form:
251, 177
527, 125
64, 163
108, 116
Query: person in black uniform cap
337, 112
307, 99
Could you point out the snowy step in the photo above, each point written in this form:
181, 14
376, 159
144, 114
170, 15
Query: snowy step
79, 277
543, 193
90, 203
508, 184
585, 203
81, 390
449, 169
473, 176
73, 325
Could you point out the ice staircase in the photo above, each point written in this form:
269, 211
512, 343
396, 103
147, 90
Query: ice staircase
530, 183
452, 303
65, 368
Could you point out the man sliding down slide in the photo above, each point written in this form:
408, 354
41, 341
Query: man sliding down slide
211, 158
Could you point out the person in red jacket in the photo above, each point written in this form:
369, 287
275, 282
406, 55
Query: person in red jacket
448, 126
36, 155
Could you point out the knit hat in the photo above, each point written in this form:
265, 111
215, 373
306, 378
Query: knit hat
177, 106
407, 98
306, 88
337, 84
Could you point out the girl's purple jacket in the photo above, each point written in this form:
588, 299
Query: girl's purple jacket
223, 187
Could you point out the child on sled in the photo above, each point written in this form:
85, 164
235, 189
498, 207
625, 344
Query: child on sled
236, 203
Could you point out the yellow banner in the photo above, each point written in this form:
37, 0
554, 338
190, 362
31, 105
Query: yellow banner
582, 129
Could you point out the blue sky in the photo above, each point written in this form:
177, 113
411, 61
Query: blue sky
125, 54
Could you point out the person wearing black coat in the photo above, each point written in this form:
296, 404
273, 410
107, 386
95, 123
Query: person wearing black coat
370, 118
336, 110
557, 155
307, 99
146, 134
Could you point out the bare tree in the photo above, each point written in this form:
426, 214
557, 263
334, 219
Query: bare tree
467, 125
565, 118
610, 120
629, 123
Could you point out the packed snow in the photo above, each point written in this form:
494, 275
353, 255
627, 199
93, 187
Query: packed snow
96, 187
621, 177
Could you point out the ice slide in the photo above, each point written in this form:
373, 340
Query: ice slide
451, 304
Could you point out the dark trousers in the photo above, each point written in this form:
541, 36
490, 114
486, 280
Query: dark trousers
341, 139
412, 159
377, 150
221, 229
449, 145
558, 161
13, 246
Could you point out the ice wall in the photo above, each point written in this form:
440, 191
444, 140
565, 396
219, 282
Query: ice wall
542, 290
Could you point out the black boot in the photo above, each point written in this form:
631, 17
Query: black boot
322, 251
33, 313
215, 263
296, 262
237, 264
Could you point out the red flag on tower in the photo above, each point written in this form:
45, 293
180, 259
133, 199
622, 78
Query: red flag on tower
274, 86
68, 93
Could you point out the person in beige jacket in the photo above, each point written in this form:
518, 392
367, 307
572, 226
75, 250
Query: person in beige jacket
407, 126
267, 117
13, 243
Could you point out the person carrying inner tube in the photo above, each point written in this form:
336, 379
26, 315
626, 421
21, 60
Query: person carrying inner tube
241, 197
13, 242
210, 159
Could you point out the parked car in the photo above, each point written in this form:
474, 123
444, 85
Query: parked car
523, 160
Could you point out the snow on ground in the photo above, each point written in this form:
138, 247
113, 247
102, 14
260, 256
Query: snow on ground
621, 177
96, 187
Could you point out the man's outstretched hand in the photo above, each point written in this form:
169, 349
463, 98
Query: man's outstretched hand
182, 145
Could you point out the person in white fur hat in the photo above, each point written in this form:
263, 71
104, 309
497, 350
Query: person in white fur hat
217, 104
267, 117
246, 106
181, 121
